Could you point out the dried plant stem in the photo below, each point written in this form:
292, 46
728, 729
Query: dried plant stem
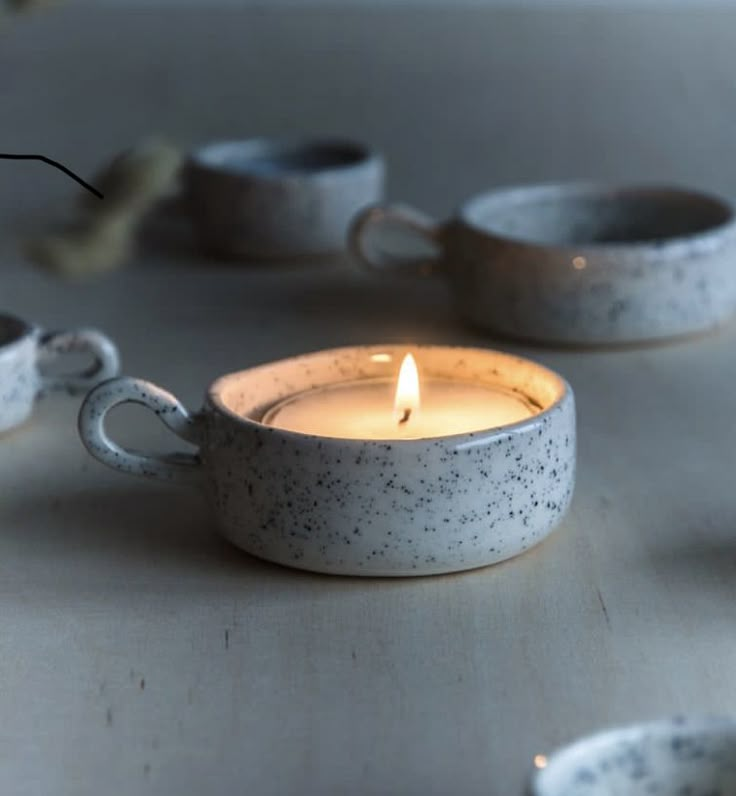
101, 237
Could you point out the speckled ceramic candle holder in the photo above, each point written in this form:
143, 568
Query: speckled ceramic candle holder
689, 757
363, 507
573, 263
25, 350
270, 198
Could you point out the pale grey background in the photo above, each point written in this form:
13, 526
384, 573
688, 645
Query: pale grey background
458, 4
523, 95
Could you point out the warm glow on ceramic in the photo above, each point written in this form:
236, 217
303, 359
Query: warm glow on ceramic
399, 408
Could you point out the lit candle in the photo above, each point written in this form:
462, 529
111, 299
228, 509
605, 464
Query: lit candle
401, 409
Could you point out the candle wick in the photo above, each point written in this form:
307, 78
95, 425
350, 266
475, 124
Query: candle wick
405, 417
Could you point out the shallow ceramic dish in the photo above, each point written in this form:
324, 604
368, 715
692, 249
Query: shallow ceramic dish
363, 506
268, 198
686, 757
574, 263
26, 352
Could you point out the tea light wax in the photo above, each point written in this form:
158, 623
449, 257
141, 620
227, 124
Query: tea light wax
385, 409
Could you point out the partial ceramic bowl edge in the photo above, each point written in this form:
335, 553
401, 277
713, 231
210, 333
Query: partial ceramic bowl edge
692, 755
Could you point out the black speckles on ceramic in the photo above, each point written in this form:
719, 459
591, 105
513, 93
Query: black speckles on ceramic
24, 350
365, 507
177, 468
687, 757
584, 264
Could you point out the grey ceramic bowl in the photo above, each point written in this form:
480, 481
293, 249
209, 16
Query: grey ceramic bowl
688, 757
268, 198
573, 263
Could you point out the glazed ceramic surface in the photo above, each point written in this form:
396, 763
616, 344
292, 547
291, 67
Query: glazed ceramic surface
575, 263
695, 757
268, 198
363, 507
25, 350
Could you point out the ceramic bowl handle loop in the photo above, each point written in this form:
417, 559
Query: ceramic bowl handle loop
185, 468
368, 240
54, 345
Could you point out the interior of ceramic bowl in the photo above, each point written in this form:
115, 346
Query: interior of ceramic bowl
251, 393
11, 329
662, 758
571, 215
270, 158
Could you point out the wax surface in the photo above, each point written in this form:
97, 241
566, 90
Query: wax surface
365, 410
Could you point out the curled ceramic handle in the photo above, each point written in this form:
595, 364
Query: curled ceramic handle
54, 345
367, 239
176, 467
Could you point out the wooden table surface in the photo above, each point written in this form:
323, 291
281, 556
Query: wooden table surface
139, 653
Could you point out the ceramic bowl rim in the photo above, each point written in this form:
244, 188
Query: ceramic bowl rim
520, 195
204, 158
215, 403
20, 331
569, 755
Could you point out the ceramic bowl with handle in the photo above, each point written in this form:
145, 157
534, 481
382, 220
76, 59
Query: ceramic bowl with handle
363, 506
571, 263
26, 351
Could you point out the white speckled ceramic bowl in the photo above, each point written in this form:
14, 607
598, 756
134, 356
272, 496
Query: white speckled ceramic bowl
269, 198
687, 757
363, 507
25, 350
574, 263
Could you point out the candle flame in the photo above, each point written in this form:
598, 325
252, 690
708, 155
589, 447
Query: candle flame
407, 390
